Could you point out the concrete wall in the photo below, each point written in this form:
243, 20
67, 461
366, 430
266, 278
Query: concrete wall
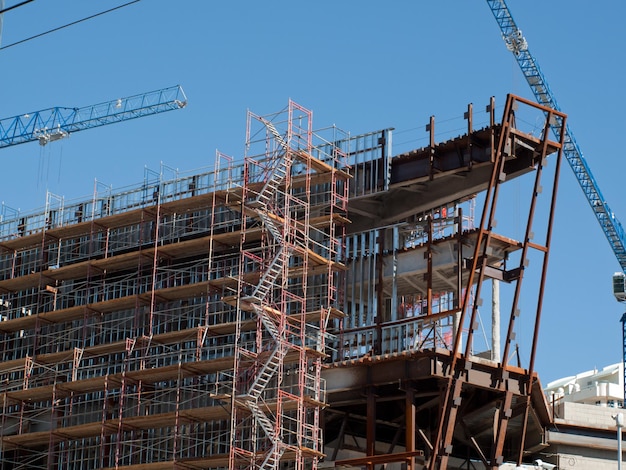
570, 458
582, 415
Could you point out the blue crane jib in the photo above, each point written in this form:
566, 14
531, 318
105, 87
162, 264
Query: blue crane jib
56, 123
517, 44
611, 227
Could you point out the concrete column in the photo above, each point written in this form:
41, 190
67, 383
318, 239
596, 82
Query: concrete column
495, 320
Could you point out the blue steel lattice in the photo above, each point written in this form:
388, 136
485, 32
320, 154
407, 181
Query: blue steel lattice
623, 321
55, 123
516, 43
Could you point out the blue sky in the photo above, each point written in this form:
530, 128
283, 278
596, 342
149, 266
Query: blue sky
363, 66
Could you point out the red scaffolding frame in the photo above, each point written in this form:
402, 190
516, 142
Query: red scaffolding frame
278, 391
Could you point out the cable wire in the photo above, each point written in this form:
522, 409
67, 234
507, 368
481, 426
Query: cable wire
68, 24
4, 10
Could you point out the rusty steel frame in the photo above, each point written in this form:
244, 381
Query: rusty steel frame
460, 365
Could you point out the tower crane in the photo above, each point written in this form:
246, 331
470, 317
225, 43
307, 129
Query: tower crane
56, 123
612, 228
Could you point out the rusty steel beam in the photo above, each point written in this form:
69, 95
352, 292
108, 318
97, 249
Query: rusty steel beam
410, 425
452, 393
371, 426
380, 286
429, 266
460, 367
430, 128
550, 114
380, 459
544, 269
504, 414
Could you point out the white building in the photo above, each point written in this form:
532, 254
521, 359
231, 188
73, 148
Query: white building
584, 406
603, 387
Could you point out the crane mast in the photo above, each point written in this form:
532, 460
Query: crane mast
612, 228
517, 44
56, 123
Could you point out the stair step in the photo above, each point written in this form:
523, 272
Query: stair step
262, 419
267, 372
273, 457
275, 133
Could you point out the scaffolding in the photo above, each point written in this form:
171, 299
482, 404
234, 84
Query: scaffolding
295, 190
130, 319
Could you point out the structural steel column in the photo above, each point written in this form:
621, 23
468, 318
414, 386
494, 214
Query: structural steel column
380, 285
371, 425
410, 426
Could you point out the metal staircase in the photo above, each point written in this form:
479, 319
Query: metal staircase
277, 135
262, 419
275, 452
269, 277
269, 223
268, 365
273, 361
282, 164
274, 409
267, 371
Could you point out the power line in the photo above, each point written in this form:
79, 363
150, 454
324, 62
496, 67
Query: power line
68, 24
4, 10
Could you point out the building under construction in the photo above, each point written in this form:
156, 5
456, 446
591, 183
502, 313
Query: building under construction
314, 304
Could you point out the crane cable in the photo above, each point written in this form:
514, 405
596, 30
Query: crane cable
66, 25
